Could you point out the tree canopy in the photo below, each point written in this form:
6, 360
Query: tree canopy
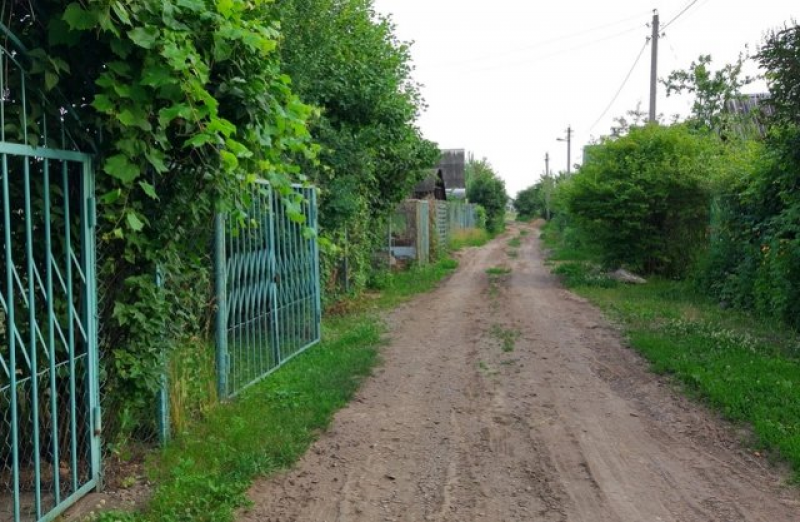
485, 188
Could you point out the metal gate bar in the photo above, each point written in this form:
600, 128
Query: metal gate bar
48, 387
49, 416
267, 286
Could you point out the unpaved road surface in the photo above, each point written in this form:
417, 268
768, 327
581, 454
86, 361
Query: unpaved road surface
569, 426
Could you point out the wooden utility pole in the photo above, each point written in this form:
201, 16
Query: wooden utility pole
654, 68
568, 139
547, 164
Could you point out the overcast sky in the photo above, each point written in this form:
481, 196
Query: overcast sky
504, 78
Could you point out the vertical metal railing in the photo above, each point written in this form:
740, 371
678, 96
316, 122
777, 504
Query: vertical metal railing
267, 285
49, 414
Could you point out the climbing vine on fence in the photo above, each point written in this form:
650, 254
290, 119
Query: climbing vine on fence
183, 102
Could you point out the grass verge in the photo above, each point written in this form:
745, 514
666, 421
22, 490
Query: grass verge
742, 366
471, 237
204, 474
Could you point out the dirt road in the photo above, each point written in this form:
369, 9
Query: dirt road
569, 426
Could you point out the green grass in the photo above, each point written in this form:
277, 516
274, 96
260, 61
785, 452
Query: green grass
400, 286
507, 337
742, 366
515, 242
472, 237
498, 271
204, 474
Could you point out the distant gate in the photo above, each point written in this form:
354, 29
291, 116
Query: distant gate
49, 413
268, 287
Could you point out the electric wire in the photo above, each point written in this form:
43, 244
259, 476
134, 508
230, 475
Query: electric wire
530, 60
621, 87
688, 6
536, 45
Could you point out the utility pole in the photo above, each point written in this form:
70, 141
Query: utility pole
568, 139
569, 150
654, 68
547, 164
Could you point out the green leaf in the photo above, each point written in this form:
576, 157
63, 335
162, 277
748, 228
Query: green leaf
200, 139
156, 159
179, 110
121, 68
102, 103
238, 148
120, 167
222, 126
193, 5
121, 13
225, 7
145, 37
134, 118
177, 56
78, 18
134, 222
222, 50
121, 48
155, 75
309, 233
50, 80
110, 197
229, 161
148, 189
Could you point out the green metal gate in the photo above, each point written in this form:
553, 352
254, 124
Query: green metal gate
49, 414
267, 287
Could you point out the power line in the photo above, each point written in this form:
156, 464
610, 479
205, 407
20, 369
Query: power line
621, 87
543, 43
557, 53
688, 6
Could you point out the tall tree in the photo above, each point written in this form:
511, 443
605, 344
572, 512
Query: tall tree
346, 60
485, 188
712, 90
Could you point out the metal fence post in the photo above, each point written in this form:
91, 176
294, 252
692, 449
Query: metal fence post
220, 289
346, 267
315, 253
163, 391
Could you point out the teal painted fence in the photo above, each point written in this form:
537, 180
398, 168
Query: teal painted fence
267, 286
452, 216
49, 398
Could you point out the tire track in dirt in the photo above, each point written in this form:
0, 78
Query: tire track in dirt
569, 426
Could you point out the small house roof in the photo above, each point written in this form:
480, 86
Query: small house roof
453, 164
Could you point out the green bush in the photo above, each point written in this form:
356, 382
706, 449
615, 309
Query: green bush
753, 260
642, 199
